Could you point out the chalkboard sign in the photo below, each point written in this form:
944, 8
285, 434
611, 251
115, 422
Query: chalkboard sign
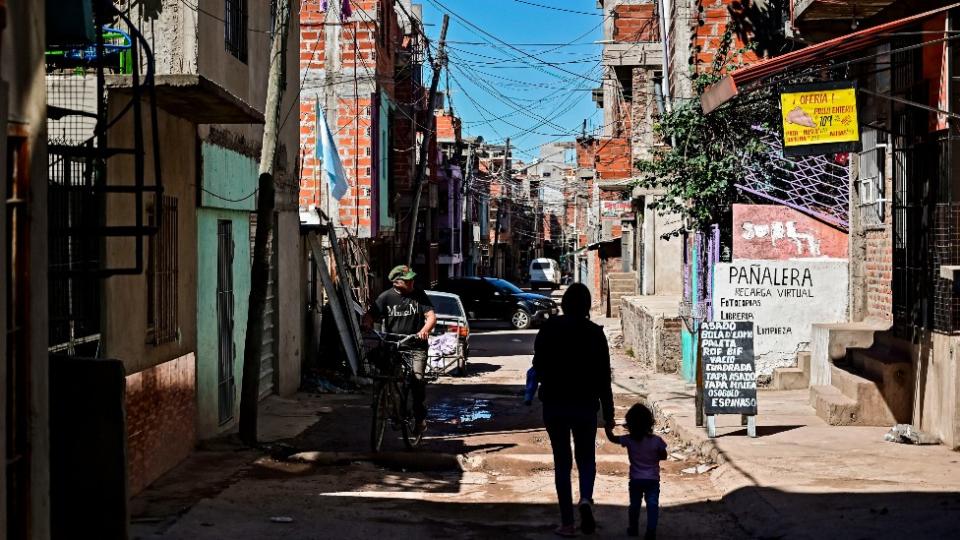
729, 374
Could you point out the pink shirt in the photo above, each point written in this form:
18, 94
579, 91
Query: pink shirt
644, 456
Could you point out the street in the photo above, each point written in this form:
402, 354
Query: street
484, 470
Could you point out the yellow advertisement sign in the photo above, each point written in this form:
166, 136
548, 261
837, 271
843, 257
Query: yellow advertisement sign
819, 116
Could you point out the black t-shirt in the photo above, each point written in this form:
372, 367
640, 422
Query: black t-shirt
403, 313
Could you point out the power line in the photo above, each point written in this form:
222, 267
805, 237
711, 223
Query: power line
559, 9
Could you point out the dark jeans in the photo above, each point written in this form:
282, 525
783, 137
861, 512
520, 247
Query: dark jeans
418, 386
561, 421
649, 490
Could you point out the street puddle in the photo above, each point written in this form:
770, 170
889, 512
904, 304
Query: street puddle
463, 413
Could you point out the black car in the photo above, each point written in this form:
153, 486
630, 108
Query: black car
497, 299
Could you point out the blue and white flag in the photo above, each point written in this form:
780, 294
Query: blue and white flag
332, 167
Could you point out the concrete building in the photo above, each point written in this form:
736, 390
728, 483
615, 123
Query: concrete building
890, 358
159, 301
639, 279
24, 375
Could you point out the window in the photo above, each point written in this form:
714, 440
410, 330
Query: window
235, 28
446, 305
162, 271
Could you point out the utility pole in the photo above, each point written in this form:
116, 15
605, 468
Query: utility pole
260, 272
504, 176
467, 208
425, 144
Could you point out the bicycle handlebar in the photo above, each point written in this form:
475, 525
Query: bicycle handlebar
404, 337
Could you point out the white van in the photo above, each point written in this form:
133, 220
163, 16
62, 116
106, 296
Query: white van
544, 273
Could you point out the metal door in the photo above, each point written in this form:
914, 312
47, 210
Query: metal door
226, 351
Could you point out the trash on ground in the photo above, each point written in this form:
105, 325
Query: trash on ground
699, 469
907, 434
281, 519
677, 457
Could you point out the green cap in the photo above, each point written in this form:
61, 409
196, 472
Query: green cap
402, 272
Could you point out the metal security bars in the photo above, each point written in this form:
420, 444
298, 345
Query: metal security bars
235, 28
162, 276
226, 382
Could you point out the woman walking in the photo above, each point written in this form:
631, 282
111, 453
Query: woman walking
572, 364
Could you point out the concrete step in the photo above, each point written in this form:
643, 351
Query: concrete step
620, 292
791, 378
622, 275
892, 375
872, 408
835, 408
880, 363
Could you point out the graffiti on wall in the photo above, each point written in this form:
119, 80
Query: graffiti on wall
779, 230
775, 232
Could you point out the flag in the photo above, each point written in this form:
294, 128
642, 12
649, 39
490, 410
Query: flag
332, 167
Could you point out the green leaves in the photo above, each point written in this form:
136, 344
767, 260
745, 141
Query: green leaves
706, 155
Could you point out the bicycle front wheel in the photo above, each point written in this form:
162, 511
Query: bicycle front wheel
381, 410
408, 424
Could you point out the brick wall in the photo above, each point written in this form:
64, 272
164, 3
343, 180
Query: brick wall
636, 22
878, 266
448, 128
369, 50
353, 136
614, 159
715, 16
161, 416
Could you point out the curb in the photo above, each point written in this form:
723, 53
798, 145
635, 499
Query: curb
702, 445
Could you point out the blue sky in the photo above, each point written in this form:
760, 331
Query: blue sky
500, 91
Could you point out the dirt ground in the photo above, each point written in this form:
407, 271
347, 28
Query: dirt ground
484, 470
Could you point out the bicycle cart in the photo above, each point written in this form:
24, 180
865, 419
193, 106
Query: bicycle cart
445, 353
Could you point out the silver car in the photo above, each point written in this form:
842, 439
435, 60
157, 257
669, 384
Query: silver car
447, 352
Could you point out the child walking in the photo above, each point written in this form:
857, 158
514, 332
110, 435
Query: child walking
646, 451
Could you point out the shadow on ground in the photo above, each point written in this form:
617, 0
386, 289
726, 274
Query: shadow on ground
756, 513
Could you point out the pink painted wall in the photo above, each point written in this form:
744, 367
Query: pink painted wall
774, 232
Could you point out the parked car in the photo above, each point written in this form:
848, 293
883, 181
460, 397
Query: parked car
487, 298
544, 273
451, 319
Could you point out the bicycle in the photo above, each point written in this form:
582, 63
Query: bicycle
392, 399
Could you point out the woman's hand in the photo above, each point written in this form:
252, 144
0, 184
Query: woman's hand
608, 429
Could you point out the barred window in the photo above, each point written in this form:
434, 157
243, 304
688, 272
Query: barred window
235, 28
162, 275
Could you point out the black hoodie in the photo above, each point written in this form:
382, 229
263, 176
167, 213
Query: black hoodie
572, 361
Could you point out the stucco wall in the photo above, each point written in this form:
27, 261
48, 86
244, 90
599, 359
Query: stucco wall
937, 407
669, 256
783, 299
125, 305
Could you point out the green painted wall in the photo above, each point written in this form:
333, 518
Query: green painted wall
227, 178
208, 352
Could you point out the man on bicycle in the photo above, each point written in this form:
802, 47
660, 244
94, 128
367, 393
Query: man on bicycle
407, 310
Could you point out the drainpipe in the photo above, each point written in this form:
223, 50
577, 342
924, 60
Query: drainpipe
649, 250
664, 7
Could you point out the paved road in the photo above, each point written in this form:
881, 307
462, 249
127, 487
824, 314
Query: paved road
484, 471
